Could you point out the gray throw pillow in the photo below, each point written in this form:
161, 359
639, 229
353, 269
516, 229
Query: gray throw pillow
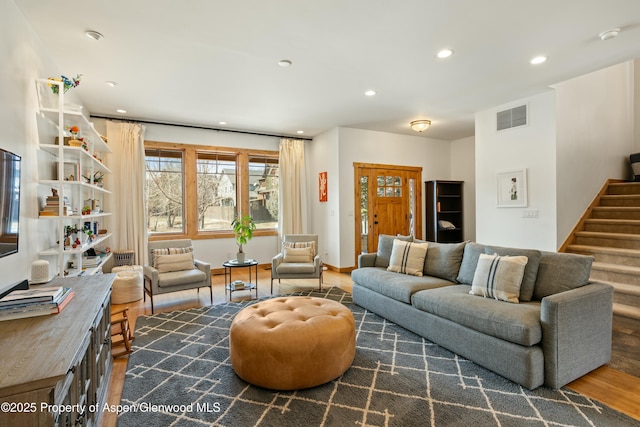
443, 260
559, 272
472, 251
385, 246
530, 271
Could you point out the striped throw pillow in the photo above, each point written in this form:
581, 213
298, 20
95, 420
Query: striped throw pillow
407, 257
499, 277
168, 251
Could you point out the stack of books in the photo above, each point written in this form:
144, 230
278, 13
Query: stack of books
34, 302
91, 261
52, 205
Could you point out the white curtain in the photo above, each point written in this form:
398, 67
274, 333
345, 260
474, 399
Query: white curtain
128, 222
292, 188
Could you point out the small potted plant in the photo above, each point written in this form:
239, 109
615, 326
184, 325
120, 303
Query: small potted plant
243, 227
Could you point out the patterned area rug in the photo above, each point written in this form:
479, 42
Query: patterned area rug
180, 375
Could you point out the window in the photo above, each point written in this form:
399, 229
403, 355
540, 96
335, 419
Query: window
216, 177
164, 191
263, 191
196, 191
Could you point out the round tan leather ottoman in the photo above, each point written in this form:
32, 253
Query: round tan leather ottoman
128, 285
291, 343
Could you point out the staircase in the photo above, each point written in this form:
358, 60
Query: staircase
610, 231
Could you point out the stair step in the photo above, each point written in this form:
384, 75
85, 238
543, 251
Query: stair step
623, 188
626, 311
608, 255
617, 273
625, 294
630, 226
631, 200
614, 240
615, 212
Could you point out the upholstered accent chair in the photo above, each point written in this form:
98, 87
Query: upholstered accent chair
299, 259
172, 267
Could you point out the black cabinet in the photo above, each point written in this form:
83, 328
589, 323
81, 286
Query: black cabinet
444, 209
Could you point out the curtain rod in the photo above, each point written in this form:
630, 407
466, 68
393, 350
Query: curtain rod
150, 122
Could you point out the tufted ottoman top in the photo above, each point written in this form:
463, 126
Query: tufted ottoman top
292, 342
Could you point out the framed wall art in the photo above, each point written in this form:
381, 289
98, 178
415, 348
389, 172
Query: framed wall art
322, 186
512, 189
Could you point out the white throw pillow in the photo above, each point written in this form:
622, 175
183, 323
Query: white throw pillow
311, 244
175, 262
499, 277
304, 255
168, 251
407, 257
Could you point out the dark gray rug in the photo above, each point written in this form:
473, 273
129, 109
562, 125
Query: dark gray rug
180, 375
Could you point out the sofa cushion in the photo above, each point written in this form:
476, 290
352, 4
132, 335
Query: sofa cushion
472, 251
385, 246
530, 271
559, 272
443, 260
175, 262
407, 257
393, 285
295, 268
499, 277
516, 323
181, 278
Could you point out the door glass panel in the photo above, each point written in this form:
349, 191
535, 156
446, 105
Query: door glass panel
380, 191
380, 181
412, 207
364, 214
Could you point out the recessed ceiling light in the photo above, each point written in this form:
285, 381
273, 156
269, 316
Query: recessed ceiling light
538, 60
300, 132
445, 53
93, 35
121, 111
284, 63
370, 93
609, 34
111, 83
222, 123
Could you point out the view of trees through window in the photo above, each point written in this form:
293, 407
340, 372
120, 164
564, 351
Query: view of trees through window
164, 190
220, 191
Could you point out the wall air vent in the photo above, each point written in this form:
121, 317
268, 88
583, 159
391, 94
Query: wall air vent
508, 119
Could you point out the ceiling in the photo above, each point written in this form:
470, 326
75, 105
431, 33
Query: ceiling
201, 62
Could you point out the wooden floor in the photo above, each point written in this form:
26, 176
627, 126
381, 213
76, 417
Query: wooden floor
614, 388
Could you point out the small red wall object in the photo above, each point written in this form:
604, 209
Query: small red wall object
322, 186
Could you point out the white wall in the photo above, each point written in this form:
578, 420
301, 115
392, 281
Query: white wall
532, 147
594, 135
463, 168
356, 145
22, 60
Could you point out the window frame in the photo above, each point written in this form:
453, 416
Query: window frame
190, 196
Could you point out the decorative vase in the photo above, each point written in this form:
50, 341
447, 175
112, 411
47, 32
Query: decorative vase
240, 257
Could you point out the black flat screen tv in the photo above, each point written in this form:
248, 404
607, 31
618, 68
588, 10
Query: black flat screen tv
9, 202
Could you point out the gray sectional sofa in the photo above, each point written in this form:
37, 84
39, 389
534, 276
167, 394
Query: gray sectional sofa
559, 330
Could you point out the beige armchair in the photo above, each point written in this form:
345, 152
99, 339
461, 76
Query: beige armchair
299, 259
172, 267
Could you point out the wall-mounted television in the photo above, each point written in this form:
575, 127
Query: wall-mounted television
9, 202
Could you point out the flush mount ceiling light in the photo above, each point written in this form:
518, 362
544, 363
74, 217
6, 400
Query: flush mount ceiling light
111, 83
300, 132
93, 35
284, 63
222, 123
538, 60
370, 93
121, 111
609, 34
445, 53
420, 125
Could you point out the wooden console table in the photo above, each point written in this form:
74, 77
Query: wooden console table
54, 369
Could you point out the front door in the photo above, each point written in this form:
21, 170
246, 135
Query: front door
388, 201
